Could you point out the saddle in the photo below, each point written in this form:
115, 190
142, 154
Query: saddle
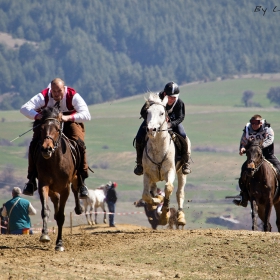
75, 152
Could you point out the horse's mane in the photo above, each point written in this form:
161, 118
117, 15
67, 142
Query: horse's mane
49, 112
254, 142
153, 97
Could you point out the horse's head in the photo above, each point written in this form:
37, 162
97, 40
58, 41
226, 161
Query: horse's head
254, 156
51, 131
156, 114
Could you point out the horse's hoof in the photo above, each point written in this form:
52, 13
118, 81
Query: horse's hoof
59, 248
44, 238
105, 221
164, 217
78, 210
181, 221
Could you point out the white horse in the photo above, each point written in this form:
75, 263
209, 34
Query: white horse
96, 198
159, 162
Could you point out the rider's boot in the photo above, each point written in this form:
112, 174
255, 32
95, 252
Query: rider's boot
186, 169
243, 201
138, 170
31, 186
82, 186
83, 170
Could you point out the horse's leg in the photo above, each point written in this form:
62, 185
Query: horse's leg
60, 218
104, 211
78, 207
267, 213
168, 189
277, 211
180, 195
254, 214
95, 215
146, 196
87, 215
45, 212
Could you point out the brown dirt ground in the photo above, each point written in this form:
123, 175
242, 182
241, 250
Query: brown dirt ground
134, 252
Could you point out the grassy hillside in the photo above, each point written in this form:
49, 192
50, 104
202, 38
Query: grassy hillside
214, 121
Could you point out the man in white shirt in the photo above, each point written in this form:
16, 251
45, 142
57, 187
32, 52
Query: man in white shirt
75, 113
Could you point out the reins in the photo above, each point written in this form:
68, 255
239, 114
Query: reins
258, 166
159, 165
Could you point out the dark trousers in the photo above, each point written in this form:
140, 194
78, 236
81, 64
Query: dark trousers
111, 208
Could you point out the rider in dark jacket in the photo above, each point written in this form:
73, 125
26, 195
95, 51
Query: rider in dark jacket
176, 113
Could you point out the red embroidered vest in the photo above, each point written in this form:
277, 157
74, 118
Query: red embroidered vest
69, 96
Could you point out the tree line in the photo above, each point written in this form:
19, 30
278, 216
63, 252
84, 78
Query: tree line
113, 49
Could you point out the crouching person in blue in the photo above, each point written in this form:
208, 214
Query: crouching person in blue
111, 199
18, 210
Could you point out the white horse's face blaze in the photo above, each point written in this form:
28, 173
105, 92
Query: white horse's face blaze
155, 119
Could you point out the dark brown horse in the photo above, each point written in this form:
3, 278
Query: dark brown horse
262, 186
56, 167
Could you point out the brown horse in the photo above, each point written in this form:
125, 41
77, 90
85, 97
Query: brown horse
56, 167
262, 186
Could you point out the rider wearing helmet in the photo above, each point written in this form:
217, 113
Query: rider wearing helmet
175, 108
257, 129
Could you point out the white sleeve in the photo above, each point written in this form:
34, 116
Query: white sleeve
81, 108
269, 139
30, 107
4, 212
31, 210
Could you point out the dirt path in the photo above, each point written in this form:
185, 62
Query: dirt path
133, 252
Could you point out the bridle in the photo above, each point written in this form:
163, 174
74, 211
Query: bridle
159, 165
254, 170
55, 143
151, 103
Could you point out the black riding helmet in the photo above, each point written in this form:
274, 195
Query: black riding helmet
171, 88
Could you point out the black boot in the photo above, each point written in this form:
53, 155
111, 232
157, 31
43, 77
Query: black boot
243, 201
244, 195
30, 187
82, 187
138, 170
186, 169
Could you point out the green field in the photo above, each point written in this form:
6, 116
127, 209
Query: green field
215, 117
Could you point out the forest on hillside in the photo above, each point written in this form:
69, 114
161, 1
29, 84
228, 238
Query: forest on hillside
112, 49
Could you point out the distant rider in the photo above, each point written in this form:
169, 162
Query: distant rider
257, 129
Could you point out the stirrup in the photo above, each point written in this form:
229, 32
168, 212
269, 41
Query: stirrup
138, 170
